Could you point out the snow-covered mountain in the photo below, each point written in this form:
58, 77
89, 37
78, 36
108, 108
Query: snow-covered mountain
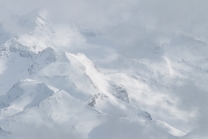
66, 81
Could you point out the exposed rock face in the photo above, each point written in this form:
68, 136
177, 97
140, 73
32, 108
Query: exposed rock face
145, 115
120, 92
92, 101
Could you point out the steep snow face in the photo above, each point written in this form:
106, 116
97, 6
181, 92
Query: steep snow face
19, 63
32, 20
46, 34
78, 75
68, 74
23, 95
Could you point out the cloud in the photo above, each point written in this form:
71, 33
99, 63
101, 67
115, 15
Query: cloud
126, 23
178, 15
167, 13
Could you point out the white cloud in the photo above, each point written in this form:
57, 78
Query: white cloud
180, 15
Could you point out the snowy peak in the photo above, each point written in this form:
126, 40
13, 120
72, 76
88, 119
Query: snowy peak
23, 95
13, 45
33, 19
67, 74
80, 73
42, 59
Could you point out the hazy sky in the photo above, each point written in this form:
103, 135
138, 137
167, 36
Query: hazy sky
178, 15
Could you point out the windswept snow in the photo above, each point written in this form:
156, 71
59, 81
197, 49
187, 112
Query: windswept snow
63, 80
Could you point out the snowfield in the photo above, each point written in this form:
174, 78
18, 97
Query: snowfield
61, 81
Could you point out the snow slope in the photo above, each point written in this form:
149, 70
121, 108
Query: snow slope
107, 90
